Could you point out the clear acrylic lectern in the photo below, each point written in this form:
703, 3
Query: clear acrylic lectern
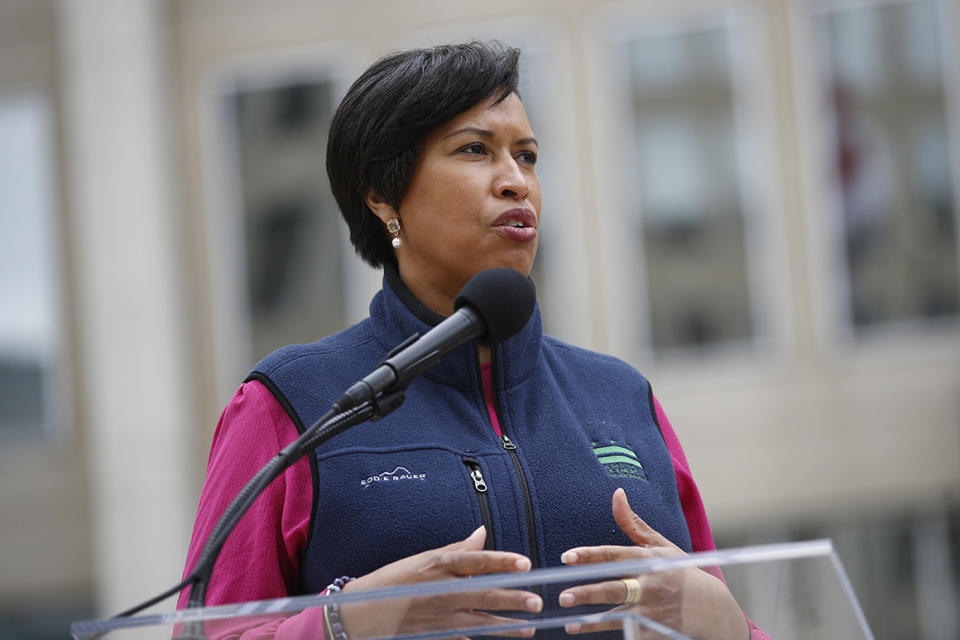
791, 591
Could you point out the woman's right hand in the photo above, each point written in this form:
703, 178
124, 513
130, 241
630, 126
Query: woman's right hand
443, 611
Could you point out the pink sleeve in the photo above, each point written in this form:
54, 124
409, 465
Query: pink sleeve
701, 537
261, 557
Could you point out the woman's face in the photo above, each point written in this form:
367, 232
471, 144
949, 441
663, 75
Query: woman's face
473, 202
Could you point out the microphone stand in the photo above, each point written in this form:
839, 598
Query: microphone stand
332, 423
359, 403
373, 397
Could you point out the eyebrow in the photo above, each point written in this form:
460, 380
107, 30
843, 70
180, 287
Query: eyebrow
489, 135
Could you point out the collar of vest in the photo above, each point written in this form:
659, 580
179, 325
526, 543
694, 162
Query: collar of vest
396, 314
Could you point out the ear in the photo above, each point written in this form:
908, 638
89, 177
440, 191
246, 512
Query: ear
380, 207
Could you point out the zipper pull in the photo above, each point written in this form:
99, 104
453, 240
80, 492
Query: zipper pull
507, 442
478, 482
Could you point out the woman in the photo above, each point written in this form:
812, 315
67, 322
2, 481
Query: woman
432, 162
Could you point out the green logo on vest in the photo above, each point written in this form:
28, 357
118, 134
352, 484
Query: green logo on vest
619, 462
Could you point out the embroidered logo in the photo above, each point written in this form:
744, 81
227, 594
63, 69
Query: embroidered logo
619, 461
397, 475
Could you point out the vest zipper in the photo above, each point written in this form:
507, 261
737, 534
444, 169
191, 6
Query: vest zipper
480, 488
511, 449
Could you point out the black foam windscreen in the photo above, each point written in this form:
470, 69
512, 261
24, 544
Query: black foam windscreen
504, 298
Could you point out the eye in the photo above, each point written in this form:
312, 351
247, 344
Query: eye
474, 147
527, 157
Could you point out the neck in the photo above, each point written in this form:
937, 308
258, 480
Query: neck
432, 294
440, 305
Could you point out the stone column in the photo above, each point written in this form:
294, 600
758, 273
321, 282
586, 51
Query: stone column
132, 355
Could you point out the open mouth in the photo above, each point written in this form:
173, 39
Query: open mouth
520, 225
517, 219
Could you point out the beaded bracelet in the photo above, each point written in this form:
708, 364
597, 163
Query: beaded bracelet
331, 612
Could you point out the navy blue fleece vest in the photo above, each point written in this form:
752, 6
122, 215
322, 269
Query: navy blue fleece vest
583, 425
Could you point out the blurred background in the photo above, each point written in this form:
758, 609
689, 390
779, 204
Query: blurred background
753, 202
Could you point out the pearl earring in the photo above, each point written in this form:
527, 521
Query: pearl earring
393, 226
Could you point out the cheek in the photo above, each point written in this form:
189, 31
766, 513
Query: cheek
436, 216
446, 200
458, 201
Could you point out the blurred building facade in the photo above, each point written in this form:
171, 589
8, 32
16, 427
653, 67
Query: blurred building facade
754, 202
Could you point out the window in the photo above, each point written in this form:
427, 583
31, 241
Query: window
687, 167
292, 238
30, 332
895, 208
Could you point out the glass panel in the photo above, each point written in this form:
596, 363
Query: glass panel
903, 565
790, 591
28, 311
685, 201
293, 238
891, 161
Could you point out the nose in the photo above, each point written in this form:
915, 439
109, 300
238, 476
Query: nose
512, 181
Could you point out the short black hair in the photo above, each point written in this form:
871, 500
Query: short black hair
377, 134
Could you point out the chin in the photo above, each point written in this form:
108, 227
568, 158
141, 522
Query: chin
523, 267
522, 262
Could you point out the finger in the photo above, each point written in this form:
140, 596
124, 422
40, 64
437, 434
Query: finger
575, 628
643, 632
522, 632
473, 542
489, 620
475, 619
472, 563
639, 532
500, 600
608, 553
610, 592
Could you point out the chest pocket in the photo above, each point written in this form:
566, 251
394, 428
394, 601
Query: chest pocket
376, 506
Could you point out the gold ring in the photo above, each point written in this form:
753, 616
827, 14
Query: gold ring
634, 590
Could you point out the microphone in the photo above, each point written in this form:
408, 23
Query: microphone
491, 307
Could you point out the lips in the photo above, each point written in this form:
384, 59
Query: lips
517, 224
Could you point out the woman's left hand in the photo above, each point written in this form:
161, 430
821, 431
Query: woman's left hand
690, 601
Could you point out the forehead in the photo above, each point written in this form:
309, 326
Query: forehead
507, 117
